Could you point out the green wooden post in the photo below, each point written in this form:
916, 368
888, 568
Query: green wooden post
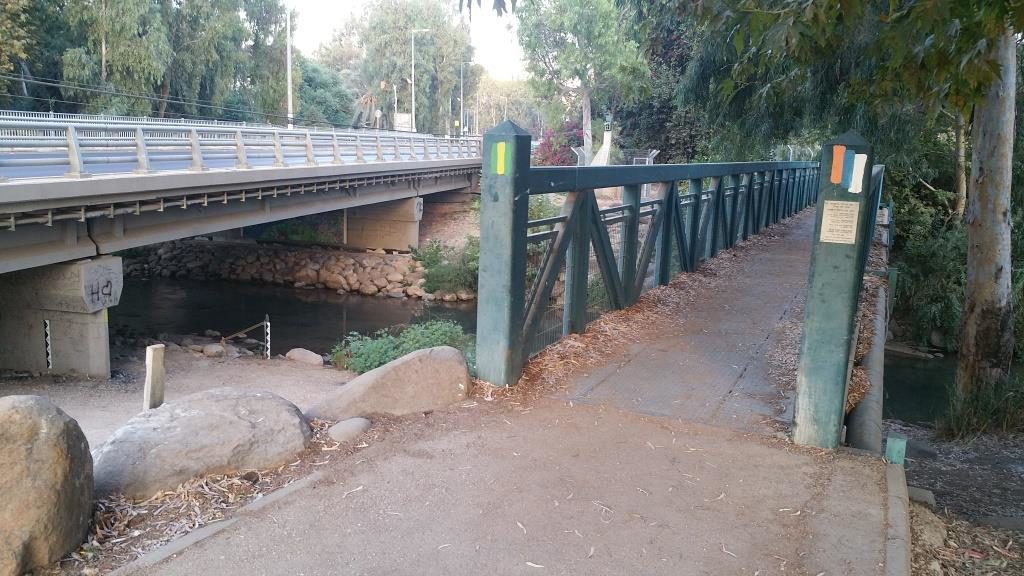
630, 240
577, 268
833, 289
504, 208
696, 187
663, 257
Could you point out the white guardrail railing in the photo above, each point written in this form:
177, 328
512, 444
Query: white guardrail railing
57, 147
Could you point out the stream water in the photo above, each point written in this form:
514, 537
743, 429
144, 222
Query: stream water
313, 319
916, 390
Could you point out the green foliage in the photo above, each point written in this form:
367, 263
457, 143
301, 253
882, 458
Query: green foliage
556, 146
290, 230
449, 268
362, 353
929, 291
324, 96
998, 408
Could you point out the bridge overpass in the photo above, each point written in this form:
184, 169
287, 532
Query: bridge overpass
86, 187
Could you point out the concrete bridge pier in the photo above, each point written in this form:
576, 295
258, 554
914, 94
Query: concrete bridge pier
54, 318
392, 225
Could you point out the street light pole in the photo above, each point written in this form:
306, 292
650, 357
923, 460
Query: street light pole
288, 65
412, 83
462, 112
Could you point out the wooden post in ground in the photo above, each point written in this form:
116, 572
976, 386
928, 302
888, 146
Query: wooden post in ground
833, 289
153, 396
504, 214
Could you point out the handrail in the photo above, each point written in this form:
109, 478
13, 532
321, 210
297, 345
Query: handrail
602, 258
35, 148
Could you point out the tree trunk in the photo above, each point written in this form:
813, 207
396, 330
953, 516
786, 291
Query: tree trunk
960, 170
588, 130
165, 90
986, 340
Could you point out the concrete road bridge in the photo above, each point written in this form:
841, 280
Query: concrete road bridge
78, 187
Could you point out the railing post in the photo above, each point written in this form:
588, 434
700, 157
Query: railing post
360, 157
241, 159
278, 151
380, 150
141, 157
76, 168
577, 268
197, 151
670, 204
833, 289
696, 187
504, 214
630, 241
717, 214
335, 149
310, 155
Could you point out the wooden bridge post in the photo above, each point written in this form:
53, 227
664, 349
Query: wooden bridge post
504, 214
844, 225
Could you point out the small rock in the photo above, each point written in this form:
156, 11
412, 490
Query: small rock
305, 356
195, 348
348, 430
921, 496
211, 333
465, 295
394, 277
213, 351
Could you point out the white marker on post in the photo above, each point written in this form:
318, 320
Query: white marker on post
860, 162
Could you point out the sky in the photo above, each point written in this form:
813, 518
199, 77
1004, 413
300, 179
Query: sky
496, 47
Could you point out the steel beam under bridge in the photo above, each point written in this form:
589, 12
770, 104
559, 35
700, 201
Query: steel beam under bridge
46, 221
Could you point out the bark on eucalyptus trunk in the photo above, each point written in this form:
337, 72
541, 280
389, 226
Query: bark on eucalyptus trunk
960, 169
588, 129
986, 341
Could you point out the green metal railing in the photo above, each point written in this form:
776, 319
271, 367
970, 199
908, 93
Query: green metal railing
543, 279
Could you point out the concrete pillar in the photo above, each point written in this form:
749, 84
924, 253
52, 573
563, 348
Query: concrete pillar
54, 318
392, 225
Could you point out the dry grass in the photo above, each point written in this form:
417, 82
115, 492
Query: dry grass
124, 530
966, 550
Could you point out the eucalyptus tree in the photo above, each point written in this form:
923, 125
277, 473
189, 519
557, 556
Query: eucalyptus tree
578, 50
125, 50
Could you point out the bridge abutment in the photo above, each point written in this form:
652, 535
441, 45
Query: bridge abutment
392, 225
54, 318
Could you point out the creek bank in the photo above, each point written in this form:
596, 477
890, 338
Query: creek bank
375, 273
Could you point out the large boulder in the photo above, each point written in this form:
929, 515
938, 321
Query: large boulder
210, 432
421, 381
46, 484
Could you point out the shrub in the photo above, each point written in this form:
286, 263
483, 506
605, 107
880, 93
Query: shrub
449, 268
362, 353
998, 409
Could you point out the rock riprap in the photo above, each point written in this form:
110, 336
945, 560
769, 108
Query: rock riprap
420, 381
369, 274
46, 487
211, 432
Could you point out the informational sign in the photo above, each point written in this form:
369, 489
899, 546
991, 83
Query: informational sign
839, 222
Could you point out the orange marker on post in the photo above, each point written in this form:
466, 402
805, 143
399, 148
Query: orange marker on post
838, 153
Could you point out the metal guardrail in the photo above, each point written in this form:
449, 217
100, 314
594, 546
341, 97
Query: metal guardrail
76, 149
68, 116
604, 257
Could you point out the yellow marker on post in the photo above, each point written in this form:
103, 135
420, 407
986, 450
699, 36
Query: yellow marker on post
499, 158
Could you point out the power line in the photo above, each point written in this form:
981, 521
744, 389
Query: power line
61, 84
37, 98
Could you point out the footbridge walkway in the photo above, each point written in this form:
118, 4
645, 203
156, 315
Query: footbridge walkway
661, 441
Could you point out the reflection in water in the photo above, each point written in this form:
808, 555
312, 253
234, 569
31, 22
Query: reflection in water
917, 389
314, 319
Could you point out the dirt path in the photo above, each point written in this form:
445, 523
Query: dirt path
102, 406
